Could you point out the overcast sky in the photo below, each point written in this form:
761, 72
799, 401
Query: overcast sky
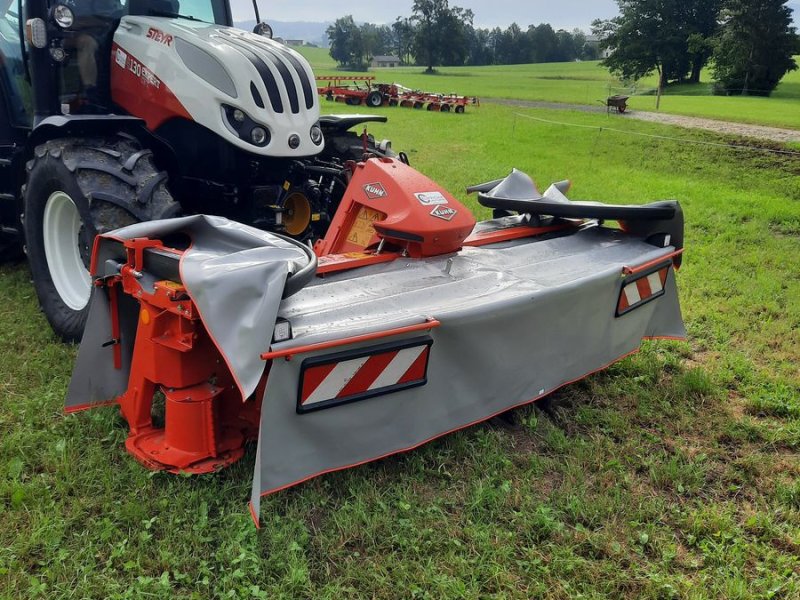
565, 14
495, 13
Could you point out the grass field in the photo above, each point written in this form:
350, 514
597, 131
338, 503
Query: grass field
674, 474
588, 83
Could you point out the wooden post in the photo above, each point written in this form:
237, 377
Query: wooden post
660, 88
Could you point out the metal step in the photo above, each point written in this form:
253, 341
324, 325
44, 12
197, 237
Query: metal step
5, 162
4, 197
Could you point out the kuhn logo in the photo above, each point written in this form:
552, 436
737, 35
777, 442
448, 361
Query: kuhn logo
375, 191
159, 36
444, 212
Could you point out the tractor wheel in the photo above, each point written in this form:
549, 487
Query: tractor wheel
75, 190
375, 99
459, 109
418, 105
445, 108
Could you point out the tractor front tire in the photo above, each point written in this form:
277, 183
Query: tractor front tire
76, 189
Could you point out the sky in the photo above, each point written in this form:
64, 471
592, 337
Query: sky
565, 14
561, 14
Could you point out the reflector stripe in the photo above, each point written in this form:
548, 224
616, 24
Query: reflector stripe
395, 371
314, 377
632, 294
417, 370
385, 370
638, 291
339, 377
654, 280
368, 373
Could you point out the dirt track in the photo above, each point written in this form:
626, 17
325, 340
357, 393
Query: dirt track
775, 134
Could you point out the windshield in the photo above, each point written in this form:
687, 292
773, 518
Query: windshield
208, 11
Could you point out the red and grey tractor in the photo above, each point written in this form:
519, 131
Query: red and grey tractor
113, 113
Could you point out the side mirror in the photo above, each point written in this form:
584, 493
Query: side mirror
263, 29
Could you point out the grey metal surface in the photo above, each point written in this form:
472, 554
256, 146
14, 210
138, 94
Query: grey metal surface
518, 321
406, 291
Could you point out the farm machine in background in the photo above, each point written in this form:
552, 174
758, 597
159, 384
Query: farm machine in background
339, 306
359, 90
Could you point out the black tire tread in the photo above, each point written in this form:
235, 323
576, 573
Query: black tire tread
121, 185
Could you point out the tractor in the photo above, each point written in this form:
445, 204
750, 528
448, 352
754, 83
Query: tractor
112, 114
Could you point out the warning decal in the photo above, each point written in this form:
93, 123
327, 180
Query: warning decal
362, 231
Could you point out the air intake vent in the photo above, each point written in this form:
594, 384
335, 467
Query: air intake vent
284, 57
273, 91
308, 90
270, 58
288, 80
256, 96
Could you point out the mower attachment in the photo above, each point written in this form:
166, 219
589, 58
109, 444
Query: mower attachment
417, 324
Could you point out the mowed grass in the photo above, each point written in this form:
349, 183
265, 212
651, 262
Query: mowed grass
588, 83
673, 474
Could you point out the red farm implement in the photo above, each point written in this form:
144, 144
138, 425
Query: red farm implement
351, 90
362, 90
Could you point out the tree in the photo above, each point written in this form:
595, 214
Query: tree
403, 30
666, 36
511, 46
481, 47
755, 46
543, 44
441, 33
703, 20
347, 45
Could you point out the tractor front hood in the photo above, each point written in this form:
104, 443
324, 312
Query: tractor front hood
226, 79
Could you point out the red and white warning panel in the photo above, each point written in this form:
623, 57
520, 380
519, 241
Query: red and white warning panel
640, 288
336, 379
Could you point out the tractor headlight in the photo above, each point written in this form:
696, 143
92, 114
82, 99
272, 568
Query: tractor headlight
316, 135
240, 124
63, 16
258, 135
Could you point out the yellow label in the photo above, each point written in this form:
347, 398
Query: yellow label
286, 185
316, 217
362, 230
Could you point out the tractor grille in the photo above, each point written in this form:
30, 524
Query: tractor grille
259, 53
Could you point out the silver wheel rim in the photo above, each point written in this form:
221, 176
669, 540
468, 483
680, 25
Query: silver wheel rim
62, 225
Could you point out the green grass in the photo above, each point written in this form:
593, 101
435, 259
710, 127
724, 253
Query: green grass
674, 474
588, 83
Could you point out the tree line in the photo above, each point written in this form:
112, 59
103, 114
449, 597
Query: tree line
748, 43
439, 34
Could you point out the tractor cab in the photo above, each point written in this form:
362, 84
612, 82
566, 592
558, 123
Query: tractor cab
64, 48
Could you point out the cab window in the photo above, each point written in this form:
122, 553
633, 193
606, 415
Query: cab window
13, 79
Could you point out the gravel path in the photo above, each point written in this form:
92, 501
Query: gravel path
775, 134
